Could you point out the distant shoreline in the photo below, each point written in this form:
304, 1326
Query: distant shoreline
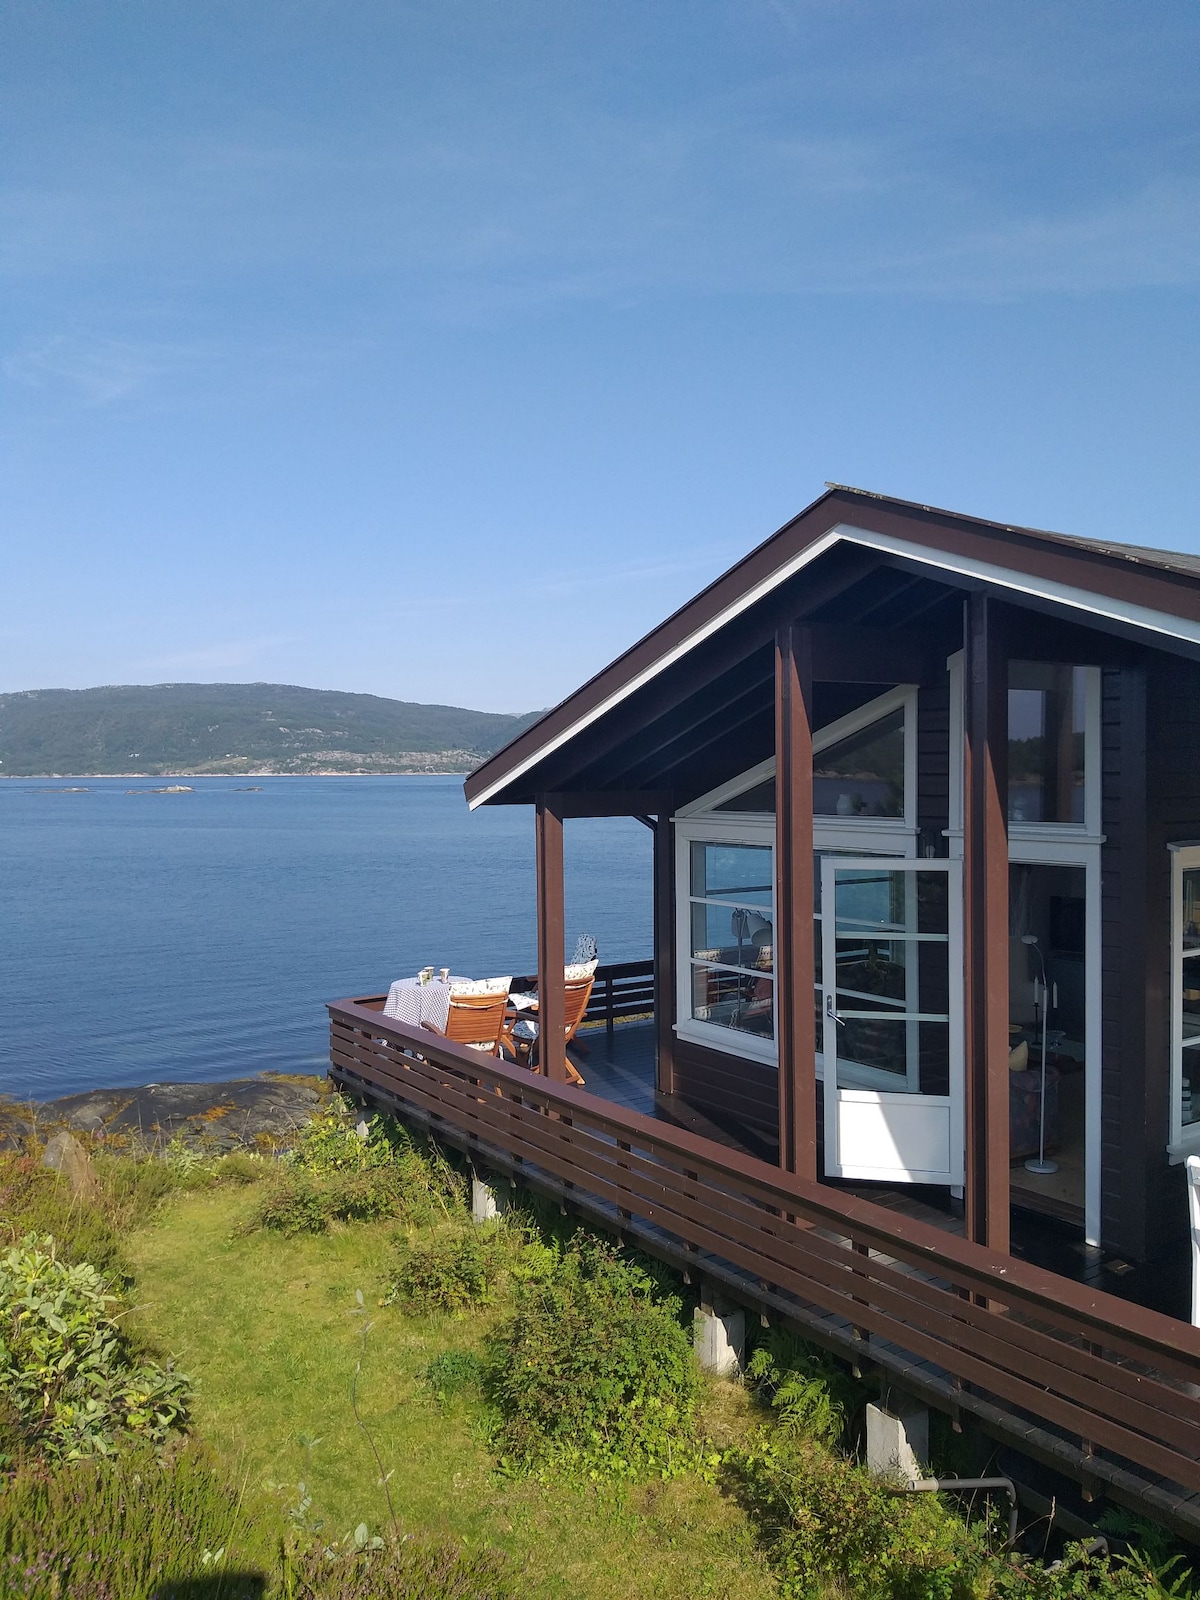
83, 777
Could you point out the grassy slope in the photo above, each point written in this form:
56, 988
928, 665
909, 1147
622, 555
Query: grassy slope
267, 1327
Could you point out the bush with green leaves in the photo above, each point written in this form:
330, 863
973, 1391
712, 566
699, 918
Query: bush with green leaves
449, 1272
70, 1383
829, 1526
594, 1370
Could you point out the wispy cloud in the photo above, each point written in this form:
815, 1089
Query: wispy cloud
96, 371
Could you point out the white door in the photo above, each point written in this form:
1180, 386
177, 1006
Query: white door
892, 1019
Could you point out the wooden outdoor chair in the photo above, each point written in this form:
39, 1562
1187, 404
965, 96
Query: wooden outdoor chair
520, 1035
476, 1020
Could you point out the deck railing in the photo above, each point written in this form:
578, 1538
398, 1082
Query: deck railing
1119, 1383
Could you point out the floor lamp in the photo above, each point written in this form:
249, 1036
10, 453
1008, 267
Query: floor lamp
1041, 1166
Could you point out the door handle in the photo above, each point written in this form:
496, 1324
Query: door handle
831, 1012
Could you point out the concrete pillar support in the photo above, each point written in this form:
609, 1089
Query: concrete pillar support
898, 1440
487, 1203
719, 1337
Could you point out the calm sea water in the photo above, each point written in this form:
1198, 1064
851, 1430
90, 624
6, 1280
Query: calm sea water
149, 937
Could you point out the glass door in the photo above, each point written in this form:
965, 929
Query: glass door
892, 1019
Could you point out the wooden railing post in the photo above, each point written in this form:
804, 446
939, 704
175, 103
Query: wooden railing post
795, 966
551, 941
986, 921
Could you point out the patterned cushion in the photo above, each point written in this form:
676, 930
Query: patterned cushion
526, 1028
480, 985
579, 969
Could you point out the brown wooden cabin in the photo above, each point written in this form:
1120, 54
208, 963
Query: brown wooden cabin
925, 793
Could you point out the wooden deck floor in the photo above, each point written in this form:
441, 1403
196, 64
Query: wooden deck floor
620, 1067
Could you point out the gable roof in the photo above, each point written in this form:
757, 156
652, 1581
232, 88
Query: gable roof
1155, 593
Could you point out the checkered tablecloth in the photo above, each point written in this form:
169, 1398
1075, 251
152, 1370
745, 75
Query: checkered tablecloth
414, 1002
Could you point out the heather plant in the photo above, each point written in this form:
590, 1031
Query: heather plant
594, 1371
366, 1568
139, 1528
70, 1383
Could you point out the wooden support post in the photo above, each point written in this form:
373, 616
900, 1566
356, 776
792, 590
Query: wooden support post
551, 942
795, 967
664, 951
986, 921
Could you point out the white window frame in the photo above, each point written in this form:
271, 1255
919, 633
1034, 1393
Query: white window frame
1085, 832
1183, 1141
755, 832
700, 823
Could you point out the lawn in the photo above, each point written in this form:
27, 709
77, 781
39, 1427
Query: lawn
272, 1332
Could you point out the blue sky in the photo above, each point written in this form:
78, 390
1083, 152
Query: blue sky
438, 350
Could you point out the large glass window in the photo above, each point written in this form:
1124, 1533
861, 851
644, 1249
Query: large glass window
1047, 713
731, 920
863, 776
1185, 987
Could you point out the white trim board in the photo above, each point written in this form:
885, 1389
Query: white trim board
1137, 616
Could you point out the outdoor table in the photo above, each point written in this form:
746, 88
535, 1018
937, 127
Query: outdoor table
413, 1002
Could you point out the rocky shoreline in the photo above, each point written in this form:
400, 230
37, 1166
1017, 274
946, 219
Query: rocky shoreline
240, 1113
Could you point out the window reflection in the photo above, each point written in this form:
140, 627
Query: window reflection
732, 937
1046, 716
863, 776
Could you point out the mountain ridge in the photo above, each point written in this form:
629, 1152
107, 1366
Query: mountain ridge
247, 729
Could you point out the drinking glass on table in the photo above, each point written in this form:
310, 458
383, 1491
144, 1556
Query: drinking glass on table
444, 973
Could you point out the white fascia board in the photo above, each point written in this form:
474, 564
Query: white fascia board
1143, 617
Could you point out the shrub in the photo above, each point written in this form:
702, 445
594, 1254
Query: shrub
128, 1530
241, 1166
450, 1272
452, 1373
333, 1175
594, 1370
293, 1205
828, 1525
71, 1385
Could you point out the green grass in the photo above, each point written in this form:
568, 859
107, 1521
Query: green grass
270, 1329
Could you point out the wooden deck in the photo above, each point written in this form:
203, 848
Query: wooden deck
1089, 1384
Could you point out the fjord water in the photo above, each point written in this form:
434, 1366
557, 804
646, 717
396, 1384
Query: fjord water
150, 937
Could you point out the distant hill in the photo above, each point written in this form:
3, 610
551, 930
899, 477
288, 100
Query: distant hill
245, 728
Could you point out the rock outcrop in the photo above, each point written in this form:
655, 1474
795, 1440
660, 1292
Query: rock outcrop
239, 1112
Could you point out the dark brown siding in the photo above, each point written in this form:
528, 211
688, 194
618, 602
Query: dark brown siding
726, 1085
